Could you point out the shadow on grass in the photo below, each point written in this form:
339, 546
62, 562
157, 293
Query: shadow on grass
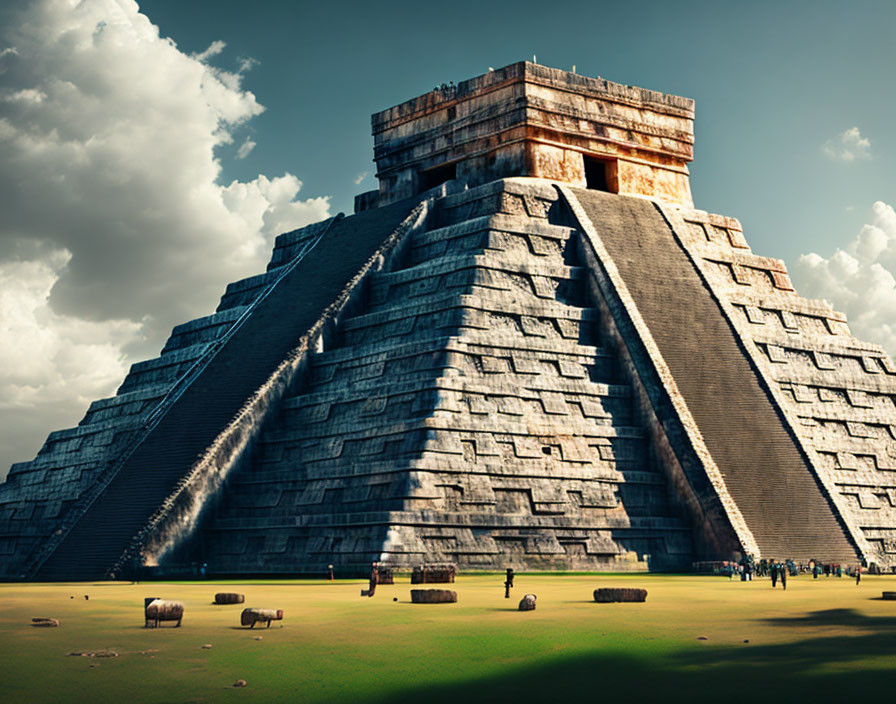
845, 618
828, 665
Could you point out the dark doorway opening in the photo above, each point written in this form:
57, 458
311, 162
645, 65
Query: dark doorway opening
436, 176
596, 177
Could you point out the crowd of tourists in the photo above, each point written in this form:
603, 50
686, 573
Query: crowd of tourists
780, 570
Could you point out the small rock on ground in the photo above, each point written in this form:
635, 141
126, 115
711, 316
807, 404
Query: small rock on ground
45, 622
527, 603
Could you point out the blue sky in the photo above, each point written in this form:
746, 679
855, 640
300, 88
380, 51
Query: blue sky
150, 152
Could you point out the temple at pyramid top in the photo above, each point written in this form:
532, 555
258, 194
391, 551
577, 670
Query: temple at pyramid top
531, 120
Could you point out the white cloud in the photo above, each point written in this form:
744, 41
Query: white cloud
52, 351
245, 148
360, 177
860, 279
214, 49
28, 95
110, 203
849, 145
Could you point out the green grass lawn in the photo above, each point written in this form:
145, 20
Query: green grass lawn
688, 642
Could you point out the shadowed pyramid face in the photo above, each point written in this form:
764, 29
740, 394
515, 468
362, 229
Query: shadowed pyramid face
492, 372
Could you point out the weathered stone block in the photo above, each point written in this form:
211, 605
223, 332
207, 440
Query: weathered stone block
433, 574
433, 596
527, 603
606, 595
229, 598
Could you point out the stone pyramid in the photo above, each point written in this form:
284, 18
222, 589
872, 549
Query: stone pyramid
526, 349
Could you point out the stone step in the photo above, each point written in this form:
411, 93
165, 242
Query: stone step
470, 342
289, 245
565, 284
203, 330
128, 404
163, 370
453, 262
484, 520
503, 315
529, 198
454, 388
513, 238
245, 291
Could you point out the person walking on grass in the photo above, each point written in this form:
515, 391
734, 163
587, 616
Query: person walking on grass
858, 575
782, 571
374, 579
773, 570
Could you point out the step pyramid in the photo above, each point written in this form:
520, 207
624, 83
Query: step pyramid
527, 349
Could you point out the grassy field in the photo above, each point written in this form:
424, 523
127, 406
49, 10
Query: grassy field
695, 639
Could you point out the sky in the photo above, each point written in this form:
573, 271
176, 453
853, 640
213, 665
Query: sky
150, 153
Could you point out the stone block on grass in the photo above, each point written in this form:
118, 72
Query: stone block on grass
433, 596
610, 595
527, 603
229, 598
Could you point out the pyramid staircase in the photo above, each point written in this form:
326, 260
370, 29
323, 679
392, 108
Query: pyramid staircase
762, 465
215, 382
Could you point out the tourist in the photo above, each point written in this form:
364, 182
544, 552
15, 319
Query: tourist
783, 573
374, 578
858, 575
773, 569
